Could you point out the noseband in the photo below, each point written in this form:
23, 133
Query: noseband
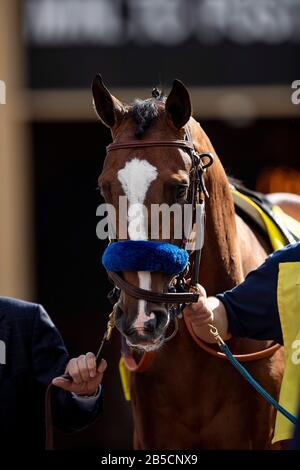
196, 194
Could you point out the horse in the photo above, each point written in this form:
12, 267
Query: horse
186, 398
288, 202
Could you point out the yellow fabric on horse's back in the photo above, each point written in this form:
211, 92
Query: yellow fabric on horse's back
291, 224
275, 235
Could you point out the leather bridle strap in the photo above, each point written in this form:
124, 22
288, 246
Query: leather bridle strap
150, 296
247, 357
197, 184
150, 143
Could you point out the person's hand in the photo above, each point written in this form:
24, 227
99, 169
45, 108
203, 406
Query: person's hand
207, 311
199, 313
86, 378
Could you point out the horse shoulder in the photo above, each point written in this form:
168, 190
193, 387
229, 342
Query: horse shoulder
253, 247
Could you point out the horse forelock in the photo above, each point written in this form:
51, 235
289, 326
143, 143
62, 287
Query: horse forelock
144, 113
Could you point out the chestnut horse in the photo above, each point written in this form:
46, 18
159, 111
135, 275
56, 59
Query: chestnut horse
289, 203
187, 399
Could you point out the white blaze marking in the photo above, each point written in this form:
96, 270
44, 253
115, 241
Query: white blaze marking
2, 352
135, 178
145, 283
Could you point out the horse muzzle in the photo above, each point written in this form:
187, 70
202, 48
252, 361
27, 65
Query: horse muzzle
142, 330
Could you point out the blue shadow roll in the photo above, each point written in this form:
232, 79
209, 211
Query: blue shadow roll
140, 255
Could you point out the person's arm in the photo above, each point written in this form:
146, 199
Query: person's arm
249, 310
78, 402
49, 359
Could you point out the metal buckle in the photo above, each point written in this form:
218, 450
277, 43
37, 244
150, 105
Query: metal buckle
195, 289
210, 159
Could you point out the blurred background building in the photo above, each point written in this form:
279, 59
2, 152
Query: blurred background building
240, 60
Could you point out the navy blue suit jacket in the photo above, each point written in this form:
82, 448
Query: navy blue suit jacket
32, 353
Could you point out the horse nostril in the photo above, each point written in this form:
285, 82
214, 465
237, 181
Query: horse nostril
151, 324
158, 318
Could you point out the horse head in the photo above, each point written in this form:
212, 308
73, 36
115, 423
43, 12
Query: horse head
147, 175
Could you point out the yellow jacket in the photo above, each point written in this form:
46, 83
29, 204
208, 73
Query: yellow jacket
288, 300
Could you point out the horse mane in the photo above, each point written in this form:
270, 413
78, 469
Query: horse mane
144, 112
221, 265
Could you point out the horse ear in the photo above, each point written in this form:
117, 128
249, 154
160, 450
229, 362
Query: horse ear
109, 109
178, 105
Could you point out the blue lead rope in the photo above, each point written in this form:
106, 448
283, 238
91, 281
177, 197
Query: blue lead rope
224, 348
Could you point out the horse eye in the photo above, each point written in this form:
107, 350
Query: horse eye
181, 193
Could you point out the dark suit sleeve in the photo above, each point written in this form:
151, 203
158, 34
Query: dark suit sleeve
252, 305
49, 358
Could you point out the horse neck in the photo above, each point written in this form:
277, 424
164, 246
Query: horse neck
221, 261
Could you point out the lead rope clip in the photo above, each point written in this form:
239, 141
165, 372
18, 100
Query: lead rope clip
214, 331
107, 335
111, 322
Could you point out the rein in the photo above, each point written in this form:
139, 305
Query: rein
248, 357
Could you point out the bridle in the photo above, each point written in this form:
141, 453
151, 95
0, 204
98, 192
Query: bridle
178, 294
183, 293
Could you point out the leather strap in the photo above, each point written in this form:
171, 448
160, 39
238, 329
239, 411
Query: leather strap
144, 364
150, 296
150, 143
148, 357
240, 357
48, 418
